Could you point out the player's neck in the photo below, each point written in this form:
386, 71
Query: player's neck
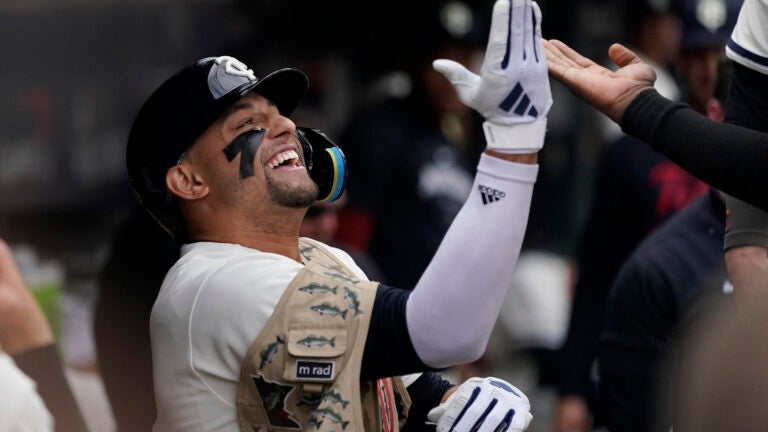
274, 231
281, 243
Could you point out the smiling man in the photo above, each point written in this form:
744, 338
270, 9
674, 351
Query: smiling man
256, 328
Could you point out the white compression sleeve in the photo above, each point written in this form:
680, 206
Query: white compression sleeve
453, 308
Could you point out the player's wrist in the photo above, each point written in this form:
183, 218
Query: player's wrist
517, 138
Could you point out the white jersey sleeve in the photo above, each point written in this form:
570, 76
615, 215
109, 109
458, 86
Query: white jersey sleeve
748, 44
21, 408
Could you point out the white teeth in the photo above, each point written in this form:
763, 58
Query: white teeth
282, 157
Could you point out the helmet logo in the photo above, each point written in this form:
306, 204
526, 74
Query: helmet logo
226, 74
235, 67
712, 14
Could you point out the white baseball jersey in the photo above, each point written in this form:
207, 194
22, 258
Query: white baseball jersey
748, 45
213, 303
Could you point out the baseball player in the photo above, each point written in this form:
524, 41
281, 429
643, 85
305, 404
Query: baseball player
746, 236
255, 328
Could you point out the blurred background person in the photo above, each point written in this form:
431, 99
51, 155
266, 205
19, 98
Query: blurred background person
34, 392
661, 286
658, 289
140, 256
321, 222
637, 189
414, 152
719, 379
627, 187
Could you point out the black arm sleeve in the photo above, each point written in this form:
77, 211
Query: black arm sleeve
426, 393
44, 366
388, 348
728, 157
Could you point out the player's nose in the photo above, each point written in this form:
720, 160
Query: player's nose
281, 127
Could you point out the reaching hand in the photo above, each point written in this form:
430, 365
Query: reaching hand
608, 91
513, 86
483, 405
22, 323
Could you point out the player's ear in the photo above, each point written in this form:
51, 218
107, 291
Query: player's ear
184, 182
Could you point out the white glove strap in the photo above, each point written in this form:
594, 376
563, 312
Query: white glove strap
516, 138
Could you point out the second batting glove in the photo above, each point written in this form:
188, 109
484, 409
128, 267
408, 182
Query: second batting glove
483, 405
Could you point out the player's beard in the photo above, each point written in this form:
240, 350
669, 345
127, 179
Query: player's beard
292, 195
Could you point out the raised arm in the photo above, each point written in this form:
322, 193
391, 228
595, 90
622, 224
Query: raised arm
452, 310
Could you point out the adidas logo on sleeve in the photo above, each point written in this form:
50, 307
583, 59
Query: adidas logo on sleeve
489, 194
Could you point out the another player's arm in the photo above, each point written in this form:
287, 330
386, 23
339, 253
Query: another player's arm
728, 157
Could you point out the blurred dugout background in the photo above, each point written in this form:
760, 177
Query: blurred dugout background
76, 71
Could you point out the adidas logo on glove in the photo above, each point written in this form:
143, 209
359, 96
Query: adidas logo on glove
518, 94
490, 194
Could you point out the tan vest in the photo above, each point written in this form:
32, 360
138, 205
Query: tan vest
303, 370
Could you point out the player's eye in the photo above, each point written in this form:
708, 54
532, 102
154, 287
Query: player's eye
246, 122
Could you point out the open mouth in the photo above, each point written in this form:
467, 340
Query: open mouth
287, 158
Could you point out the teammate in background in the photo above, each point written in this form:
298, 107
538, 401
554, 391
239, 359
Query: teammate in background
637, 189
652, 30
659, 290
32, 380
721, 379
256, 328
729, 158
322, 223
746, 237
141, 254
733, 169
414, 156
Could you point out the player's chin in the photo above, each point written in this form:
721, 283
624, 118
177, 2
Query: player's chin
297, 192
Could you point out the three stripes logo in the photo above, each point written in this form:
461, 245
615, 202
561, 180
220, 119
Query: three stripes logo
520, 101
489, 194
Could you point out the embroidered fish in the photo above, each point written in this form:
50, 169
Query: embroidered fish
343, 276
339, 269
351, 298
313, 288
314, 421
328, 309
333, 416
335, 397
317, 341
269, 353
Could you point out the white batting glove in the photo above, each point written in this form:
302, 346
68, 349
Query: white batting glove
483, 405
512, 91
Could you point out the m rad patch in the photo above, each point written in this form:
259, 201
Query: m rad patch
314, 370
